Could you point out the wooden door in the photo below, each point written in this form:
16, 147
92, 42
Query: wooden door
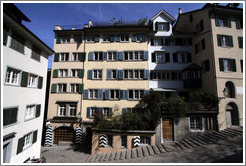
64, 134
167, 129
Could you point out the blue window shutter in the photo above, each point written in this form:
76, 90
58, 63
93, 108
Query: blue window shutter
118, 38
100, 93
106, 94
122, 94
88, 112
146, 55
126, 94
91, 56
86, 93
105, 56
120, 56
134, 37
121, 74
146, 74
109, 71
112, 38
89, 74
123, 111
117, 74
146, 92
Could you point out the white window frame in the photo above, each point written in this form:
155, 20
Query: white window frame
93, 93
157, 42
136, 92
63, 73
116, 94
62, 109
61, 87
124, 38
195, 129
12, 76
144, 140
227, 65
97, 74
72, 107
74, 72
75, 56
30, 112
112, 56
163, 26
28, 140
32, 80
122, 146
106, 111
65, 39
106, 38
98, 56
74, 88
90, 38
63, 56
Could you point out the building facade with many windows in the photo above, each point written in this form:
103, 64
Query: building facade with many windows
25, 62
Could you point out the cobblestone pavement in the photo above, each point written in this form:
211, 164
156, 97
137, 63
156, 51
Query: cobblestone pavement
214, 147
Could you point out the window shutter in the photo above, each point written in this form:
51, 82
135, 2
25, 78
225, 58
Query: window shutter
217, 23
20, 145
100, 93
112, 38
24, 79
35, 135
240, 42
122, 94
123, 111
109, 73
89, 74
82, 56
167, 57
105, 56
110, 112
175, 58
126, 94
86, 94
54, 88
234, 67
38, 109
201, 124
134, 37
81, 73
81, 88
241, 63
56, 58
238, 26
146, 55
121, 74
120, 56
40, 82
117, 74
106, 94
221, 62
156, 26
91, 56
231, 41
55, 73
6, 116
219, 39
229, 22
58, 39
100, 110
88, 112
153, 57
189, 59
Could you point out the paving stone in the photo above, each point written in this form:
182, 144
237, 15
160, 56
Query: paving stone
112, 156
161, 148
128, 154
117, 155
93, 157
106, 158
150, 149
156, 150
88, 159
145, 151
102, 156
134, 153
123, 155
139, 152
97, 158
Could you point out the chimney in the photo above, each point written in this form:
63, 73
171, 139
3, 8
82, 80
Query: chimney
180, 11
85, 25
57, 27
90, 23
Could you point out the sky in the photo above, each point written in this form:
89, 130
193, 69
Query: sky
44, 16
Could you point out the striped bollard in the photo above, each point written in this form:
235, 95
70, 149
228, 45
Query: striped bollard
78, 137
48, 137
136, 141
102, 140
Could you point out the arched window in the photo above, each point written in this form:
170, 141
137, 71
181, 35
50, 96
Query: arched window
230, 90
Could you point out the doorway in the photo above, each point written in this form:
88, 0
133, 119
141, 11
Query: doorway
167, 129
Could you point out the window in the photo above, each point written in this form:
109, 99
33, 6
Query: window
133, 74
93, 93
92, 38
18, 42
123, 141
157, 42
163, 26
112, 74
62, 87
106, 112
205, 66
160, 57
67, 109
112, 56
12, 76
74, 72
239, 23
30, 112
114, 94
27, 140
77, 38
135, 94
133, 55
227, 65
225, 41
10, 115
62, 110
5, 34
106, 38
138, 38
36, 52
63, 57
32, 80
145, 140
97, 74
98, 56
72, 109
164, 75
192, 74
109, 141
182, 57
222, 21
230, 90
63, 72
75, 56
176, 75
240, 42
199, 27
200, 46
124, 38
241, 62
74, 88
196, 123
63, 39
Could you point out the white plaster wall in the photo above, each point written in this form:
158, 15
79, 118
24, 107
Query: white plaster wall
162, 18
173, 84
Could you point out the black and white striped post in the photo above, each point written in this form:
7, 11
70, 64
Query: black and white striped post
136, 141
48, 136
102, 140
79, 135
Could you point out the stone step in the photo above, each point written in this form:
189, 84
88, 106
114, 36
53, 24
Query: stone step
213, 137
234, 131
229, 133
185, 144
139, 152
180, 146
161, 148
199, 140
128, 154
170, 146
194, 141
97, 158
156, 149
117, 155
134, 153
150, 150
102, 157
123, 155
190, 143
200, 137
93, 157
218, 134
145, 151
112, 156
106, 158
88, 159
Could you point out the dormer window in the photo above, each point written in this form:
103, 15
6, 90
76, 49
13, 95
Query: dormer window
162, 26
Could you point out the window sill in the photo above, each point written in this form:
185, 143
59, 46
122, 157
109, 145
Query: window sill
29, 119
114, 99
34, 87
133, 99
194, 131
9, 84
10, 125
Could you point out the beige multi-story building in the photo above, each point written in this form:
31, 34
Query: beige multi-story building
218, 48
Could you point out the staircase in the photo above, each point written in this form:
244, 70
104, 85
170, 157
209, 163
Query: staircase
187, 143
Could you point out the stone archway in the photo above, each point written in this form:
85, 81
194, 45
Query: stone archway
232, 115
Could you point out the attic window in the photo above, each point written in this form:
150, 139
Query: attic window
162, 26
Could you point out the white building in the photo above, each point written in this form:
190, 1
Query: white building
24, 73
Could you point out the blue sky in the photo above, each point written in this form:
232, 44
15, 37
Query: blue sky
44, 16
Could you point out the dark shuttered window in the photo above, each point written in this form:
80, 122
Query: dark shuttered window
9, 116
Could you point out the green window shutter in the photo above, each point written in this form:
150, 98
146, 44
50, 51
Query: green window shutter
56, 58
238, 26
221, 64
40, 82
55, 73
82, 56
20, 145
231, 41
240, 42
234, 66
81, 73
241, 62
38, 107
35, 135
81, 88
229, 22
24, 79
219, 39
58, 39
217, 21
54, 88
